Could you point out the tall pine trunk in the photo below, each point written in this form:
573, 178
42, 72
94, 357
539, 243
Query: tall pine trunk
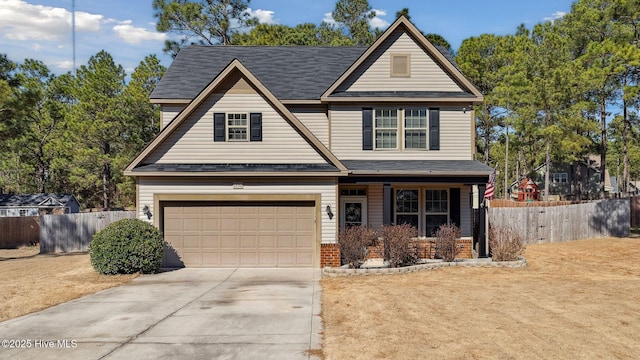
603, 151
106, 178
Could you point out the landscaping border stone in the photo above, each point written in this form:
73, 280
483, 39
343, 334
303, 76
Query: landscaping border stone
335, 272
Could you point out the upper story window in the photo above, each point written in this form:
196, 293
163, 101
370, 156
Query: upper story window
386, 124
237, 126
407, 125
559, 178
413, 128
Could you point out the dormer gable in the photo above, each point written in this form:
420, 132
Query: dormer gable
233, 121
402, 65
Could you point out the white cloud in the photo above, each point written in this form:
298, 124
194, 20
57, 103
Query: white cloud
328, 18
264, 16
36, 47
64, 65
20, 20
135, 35
556, 15
377, 22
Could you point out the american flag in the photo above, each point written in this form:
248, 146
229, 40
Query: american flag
490, 192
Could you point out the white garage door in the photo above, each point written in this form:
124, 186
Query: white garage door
239, 234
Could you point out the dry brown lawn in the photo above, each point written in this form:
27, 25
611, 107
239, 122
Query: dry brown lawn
30, 282
574, 300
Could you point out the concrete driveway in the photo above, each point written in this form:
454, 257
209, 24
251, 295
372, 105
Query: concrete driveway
182, 314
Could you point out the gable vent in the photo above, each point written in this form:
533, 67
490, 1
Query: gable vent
400, 65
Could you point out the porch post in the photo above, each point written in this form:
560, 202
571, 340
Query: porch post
386, 204
482, 221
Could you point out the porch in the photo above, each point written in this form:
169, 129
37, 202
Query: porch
425, 194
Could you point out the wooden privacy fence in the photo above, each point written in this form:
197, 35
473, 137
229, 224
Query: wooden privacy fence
73, 232
18, 231
597, 219
634, 203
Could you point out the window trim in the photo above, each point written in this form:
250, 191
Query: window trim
246, 127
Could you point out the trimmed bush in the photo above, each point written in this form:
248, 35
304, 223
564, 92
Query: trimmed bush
447, 237
505, 243
399, 249
127, 246
354, 242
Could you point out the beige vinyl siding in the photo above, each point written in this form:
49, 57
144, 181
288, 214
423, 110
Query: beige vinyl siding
316, 120
375, 73
168, 113
455, 135
375, 207
325, 188
192, 142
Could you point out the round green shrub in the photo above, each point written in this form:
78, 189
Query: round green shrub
127, 246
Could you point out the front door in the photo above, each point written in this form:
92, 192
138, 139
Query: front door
353, 211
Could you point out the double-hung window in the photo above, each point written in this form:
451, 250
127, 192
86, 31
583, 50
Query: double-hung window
400, 129
415, 128
237, 126
408, 207
436, 210
386, 128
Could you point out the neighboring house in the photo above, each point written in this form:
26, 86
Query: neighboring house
37, 204
528, 190
266, 152
573, 181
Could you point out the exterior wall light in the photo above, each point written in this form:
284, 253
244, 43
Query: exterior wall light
329, 212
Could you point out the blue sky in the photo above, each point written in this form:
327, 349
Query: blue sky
41, 29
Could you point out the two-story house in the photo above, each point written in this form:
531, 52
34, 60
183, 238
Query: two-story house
266, 152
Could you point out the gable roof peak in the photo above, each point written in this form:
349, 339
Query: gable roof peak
233, 67
432, 50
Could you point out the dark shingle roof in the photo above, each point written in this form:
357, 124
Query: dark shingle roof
195, 168
289, 72
426, 167
34, 199
405, 94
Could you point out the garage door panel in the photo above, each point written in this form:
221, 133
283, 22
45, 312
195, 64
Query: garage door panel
248, 225
249, 241
212, 224
229, 258
229, 224
210, 242
267, 224
246, 234
285, 224
229, 241
267, 242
